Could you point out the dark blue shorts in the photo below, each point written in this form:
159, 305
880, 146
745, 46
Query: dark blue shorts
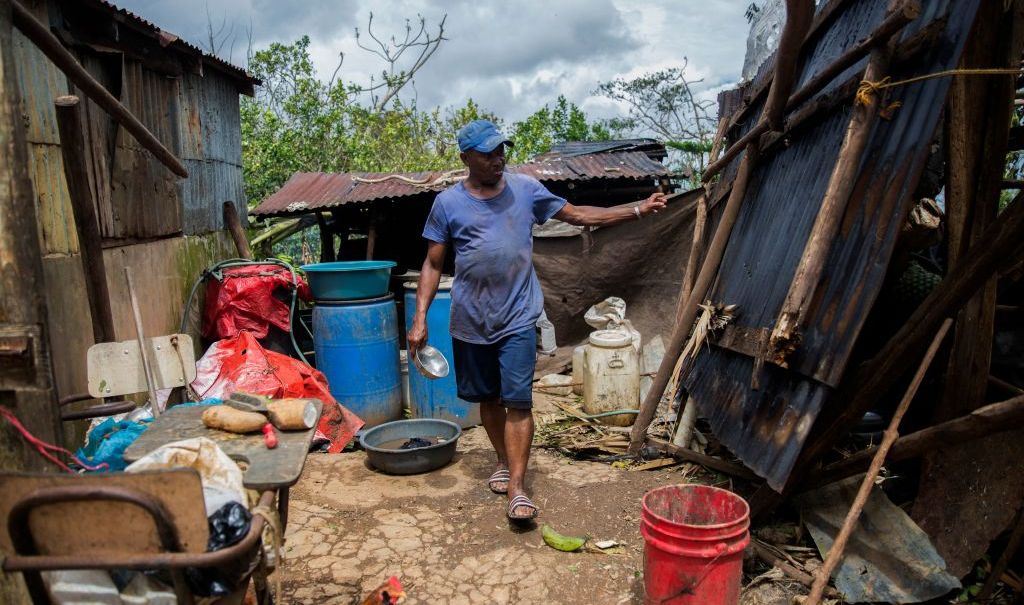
501, 370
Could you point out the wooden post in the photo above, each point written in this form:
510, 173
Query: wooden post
799, 15
864, 387
868, 484
326, 239
40, 35
371, 232
688, 413
978, 122
90, 244
784, 339
234, 226
982, 422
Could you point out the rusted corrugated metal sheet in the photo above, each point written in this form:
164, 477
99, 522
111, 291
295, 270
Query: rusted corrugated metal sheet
307, 191
767, 427
212, 150
144, 194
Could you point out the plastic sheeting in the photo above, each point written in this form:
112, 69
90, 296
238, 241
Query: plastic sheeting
221, 477
107, 441
244, 300
241, 364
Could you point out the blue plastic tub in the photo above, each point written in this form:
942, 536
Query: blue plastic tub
349, 280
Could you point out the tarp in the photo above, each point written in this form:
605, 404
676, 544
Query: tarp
244, 300
642, 262
241, 364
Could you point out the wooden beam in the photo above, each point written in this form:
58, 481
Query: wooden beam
40, 35
234, 226
371, 232
736, 470
978, 123
785, 338
982, 422
90, 243
326, 239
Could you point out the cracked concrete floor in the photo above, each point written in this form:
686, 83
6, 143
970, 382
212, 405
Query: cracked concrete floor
445, 536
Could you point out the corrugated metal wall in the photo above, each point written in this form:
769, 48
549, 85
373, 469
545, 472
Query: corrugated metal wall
211, 140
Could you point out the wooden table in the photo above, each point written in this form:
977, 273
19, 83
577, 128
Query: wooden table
263, 469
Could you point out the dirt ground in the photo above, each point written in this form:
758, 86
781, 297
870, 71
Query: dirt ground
445, 536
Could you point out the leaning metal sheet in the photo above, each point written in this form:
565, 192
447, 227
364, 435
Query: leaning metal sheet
767, 427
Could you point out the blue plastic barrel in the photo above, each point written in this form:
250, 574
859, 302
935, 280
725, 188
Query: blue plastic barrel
356, 344
437, 398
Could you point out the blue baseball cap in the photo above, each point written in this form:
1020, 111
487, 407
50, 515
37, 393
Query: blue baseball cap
482, 136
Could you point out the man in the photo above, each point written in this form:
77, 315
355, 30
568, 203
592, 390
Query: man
496, 298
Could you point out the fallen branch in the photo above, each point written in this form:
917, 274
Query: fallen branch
766, 555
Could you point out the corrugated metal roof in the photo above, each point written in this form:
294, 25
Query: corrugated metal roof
307, 191
651, 147
768, 426
170, 40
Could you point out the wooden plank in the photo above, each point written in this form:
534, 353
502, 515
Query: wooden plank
26, 379
90, 246
265, 469
114, 367
979, 120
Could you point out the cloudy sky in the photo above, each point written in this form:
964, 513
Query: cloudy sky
511, 57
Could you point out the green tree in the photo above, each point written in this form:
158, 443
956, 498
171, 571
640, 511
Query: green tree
297, 122
549, 125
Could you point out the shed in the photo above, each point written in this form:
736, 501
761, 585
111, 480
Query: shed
167, 229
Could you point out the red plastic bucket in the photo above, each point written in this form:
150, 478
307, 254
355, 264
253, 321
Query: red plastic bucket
694, 536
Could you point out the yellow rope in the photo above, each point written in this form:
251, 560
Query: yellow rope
867, 90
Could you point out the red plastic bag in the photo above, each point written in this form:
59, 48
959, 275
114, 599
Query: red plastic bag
241, 364
244, 300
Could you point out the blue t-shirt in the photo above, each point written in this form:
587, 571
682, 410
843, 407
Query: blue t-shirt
495, 292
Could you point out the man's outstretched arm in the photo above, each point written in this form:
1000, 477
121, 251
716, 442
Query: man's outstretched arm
595, 216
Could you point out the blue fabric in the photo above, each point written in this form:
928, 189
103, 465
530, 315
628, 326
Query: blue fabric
481, 135
503, 369
108, 441
495, 292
